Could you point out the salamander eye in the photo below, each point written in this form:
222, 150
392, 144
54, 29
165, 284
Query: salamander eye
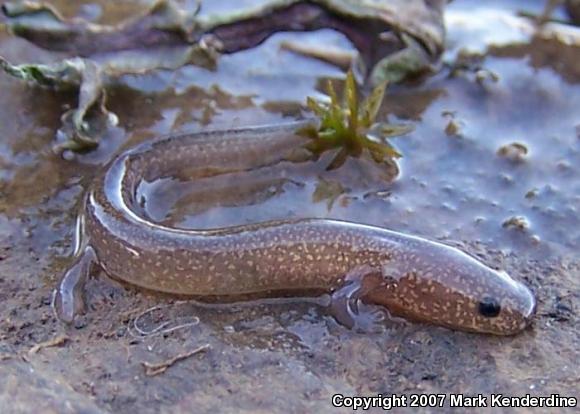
489, 307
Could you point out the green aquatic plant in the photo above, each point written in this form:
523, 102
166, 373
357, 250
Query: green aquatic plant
350, 125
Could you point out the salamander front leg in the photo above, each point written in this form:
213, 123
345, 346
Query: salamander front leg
68, 298
346, 304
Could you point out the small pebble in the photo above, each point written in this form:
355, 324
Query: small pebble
564, 165
533, 193
453, 128
515, 151
517, 222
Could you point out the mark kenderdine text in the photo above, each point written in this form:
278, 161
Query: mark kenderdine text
389, 401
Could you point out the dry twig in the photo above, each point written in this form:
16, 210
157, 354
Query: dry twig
57, 341
156, 369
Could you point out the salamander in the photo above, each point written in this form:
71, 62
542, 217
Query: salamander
411, 277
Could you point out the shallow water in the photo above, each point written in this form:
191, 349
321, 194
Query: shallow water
452, 187
468, 190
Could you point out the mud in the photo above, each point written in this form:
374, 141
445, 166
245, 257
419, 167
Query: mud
454, 187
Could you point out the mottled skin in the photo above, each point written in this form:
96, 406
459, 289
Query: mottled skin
411, 277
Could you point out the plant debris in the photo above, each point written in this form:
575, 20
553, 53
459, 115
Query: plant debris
395, 40
57, 341
351, 126
163, 328
156, 369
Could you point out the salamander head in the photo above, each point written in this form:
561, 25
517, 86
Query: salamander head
446, 287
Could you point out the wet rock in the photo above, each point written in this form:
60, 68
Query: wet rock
26, 389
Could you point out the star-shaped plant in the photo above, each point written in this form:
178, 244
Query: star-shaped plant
351, 126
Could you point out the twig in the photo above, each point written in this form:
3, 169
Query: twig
156, 369
59, 340
337, 57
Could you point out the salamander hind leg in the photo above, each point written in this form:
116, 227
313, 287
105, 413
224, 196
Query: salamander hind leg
346, 304
68, 297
